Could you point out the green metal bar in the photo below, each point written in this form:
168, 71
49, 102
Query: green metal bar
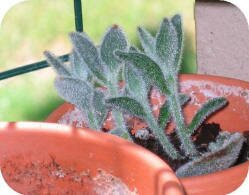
43, 64
78, 15
28, 68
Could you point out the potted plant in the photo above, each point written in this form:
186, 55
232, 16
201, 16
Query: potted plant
43, 158
139, 92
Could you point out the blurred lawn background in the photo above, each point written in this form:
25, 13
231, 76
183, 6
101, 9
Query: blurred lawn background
33, 26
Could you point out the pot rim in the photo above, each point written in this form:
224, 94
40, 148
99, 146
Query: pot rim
227, 80
55, 129
165, 177
55, 116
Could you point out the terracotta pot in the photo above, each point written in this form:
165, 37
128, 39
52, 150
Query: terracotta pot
83, 149
235, 117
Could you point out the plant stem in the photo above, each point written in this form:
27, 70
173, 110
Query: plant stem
160, 134
117, 115
92, 121
181, 128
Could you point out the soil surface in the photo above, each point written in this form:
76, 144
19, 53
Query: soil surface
206, 134
30, 177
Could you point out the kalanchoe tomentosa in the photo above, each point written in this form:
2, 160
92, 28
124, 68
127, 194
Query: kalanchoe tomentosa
90, 66
157, 66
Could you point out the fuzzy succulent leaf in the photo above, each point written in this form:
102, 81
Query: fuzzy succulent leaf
128, 105
89, 53
121, 133
78, 66
135, 84
99, 107
177, 22
58, 66
167, 44
133, 49
183, 98
223, 154
148, 68
120, 124
113, 40
148, 42
75, 91
205, 111
181, 128
165, 115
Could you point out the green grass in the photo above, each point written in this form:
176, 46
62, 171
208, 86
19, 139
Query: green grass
34, 26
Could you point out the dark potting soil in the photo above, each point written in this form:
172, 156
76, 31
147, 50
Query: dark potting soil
206, 134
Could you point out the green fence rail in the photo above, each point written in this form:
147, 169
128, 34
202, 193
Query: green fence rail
43, 64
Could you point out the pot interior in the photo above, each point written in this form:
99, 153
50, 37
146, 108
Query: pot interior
201, 88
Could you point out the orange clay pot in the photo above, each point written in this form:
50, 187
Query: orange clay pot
235, 117
83, 149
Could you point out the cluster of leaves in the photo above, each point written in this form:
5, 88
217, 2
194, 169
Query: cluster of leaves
156, 66
90, 66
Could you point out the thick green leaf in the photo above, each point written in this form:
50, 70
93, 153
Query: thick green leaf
55, 62
205, 111
133, 49
135, 108
148, 41
98, 104
148, 68
113, 40
135, 84
128, 105
183, 98
121, 133
224, 153
165, 115
89, 53
75, 91
177, 22
120, 124
167, 44
79, 67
